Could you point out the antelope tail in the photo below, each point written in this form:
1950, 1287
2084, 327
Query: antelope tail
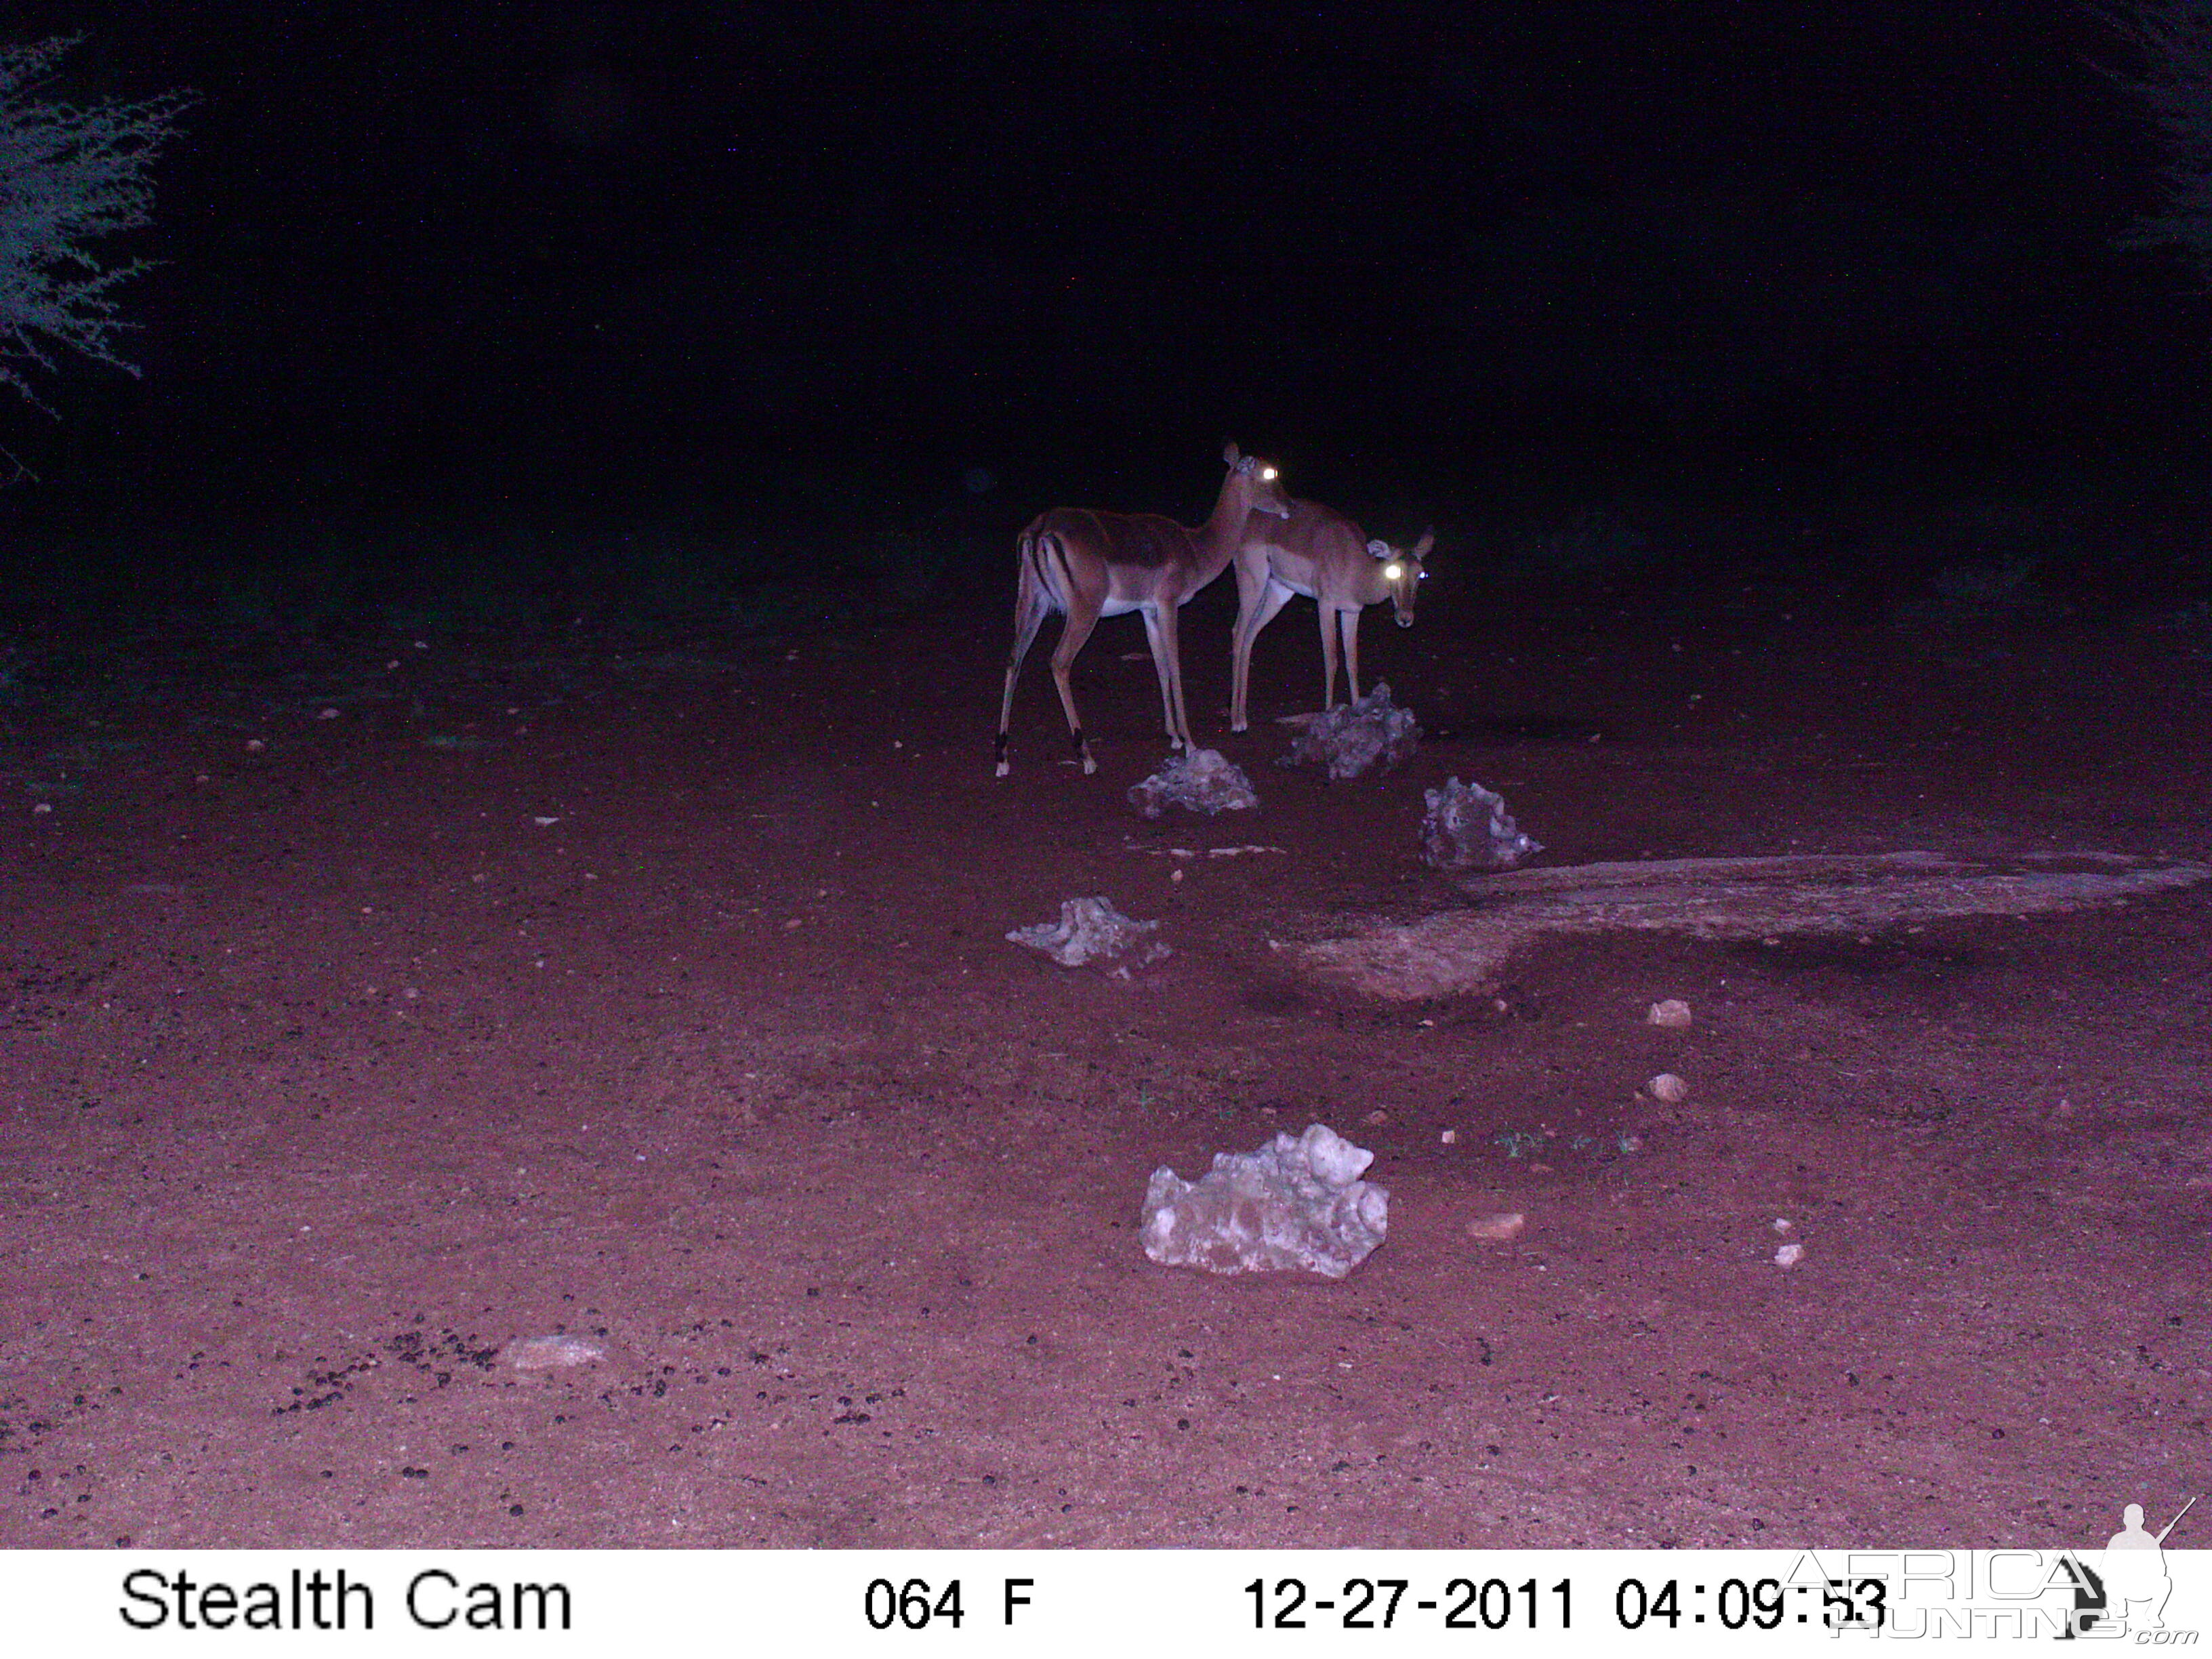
1045, 555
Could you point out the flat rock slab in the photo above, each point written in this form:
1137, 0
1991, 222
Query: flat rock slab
1465, 951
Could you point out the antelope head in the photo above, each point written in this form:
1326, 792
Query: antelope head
1402, 573
1266, 482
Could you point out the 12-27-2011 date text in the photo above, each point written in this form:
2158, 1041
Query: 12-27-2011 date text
1464, 1603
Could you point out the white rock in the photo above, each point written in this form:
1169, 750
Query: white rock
1205, 780
1298, 1202
1789, 1255
1669, 1088
1674, 1011
1088, 930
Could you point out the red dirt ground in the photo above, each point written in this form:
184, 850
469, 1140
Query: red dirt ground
329, 1069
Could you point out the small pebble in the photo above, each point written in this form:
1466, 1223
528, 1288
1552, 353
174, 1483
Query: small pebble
1789, 1255
1673, 1012
1669, 1088
1497, 1229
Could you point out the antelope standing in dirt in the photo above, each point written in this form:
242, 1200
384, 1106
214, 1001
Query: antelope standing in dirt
1087, 565
1317, 552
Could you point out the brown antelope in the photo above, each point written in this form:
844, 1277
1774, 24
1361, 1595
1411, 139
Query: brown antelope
1087, 565
1317, 552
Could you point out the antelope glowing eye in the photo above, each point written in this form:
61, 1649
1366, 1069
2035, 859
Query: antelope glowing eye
1268, 473
1392, 572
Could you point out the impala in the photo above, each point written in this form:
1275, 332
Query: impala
1087, 565
1319, 553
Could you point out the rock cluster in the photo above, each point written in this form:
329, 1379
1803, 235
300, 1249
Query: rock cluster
1468, 828
1204, 780
1353, 737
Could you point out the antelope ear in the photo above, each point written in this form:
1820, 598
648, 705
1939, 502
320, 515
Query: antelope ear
1229, 453
1421, 547
1378, 548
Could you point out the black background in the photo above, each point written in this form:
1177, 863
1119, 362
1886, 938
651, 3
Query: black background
765, 276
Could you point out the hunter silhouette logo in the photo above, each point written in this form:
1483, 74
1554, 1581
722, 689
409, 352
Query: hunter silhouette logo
2127, 1589
2136, 1581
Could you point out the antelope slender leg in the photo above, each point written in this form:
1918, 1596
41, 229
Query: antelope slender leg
1168, 645
1250, 588
1349, 622
1272, 597
1159, 630
1081, 619
1031, 608
1327, 657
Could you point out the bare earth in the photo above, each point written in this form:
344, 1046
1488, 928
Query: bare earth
655, 993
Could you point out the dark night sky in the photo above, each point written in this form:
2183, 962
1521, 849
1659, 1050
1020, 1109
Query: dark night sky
490, 247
